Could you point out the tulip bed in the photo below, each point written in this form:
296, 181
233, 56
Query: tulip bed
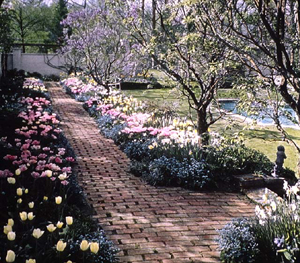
163, 147
43, 214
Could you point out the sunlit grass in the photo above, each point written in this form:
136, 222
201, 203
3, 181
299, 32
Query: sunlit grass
262, 138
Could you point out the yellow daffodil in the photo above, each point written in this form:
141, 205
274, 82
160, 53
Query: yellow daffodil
10, 256
37, 233
84, 245
94, 247
60, 246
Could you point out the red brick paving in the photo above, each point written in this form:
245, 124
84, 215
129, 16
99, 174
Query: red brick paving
148, 224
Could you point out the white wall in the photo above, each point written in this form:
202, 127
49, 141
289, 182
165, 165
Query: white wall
35, 62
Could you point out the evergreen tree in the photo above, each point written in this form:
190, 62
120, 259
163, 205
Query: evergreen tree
61, 12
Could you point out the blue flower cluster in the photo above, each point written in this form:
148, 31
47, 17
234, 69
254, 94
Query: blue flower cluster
238, 243
169, 171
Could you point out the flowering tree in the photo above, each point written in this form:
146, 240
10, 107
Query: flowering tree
264, 36
182, 45
97, 38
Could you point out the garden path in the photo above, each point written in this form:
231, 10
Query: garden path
148, 224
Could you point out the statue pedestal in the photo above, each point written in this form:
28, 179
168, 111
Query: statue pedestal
253, 181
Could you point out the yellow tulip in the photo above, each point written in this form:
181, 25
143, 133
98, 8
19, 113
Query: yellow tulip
23, 216
26, 191
48, 173
37, 233
11, 236
31, 216
94, 247
10, 222
58, 200
45, 198
10, 256
59, 224
18, 172
60, 246
51, 228
31, 205
30, 260
19, 201
69, 220
19, 191
11, 180
84, 245
6, 229
63, 176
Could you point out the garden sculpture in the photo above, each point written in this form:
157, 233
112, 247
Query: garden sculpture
279, 161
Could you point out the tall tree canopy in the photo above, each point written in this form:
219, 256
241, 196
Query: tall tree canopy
265, 39
96, 37
180, 42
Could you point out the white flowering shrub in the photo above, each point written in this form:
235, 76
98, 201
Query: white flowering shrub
275, 231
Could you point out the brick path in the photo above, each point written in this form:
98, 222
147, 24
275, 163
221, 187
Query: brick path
148, 224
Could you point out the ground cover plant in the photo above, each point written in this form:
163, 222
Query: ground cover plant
43, 213
272, 236
164, 148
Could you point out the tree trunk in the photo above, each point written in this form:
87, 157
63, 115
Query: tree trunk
143, 9
153, 15
202, 126
4, 65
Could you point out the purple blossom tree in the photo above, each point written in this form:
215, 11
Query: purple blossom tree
177, 39
97, 41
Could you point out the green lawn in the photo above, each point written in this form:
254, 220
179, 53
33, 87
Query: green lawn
262, 138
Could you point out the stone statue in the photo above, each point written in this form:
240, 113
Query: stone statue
279, 161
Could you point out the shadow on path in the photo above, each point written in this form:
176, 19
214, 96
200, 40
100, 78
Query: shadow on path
148, 224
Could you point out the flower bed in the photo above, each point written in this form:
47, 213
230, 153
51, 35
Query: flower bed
273, 236
158, 139
44, 215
